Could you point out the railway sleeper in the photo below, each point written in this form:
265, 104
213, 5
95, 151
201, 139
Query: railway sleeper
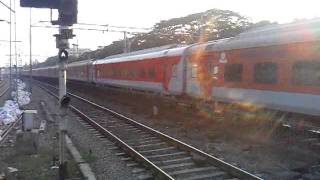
103, 123
108, 143
113, 148
142, 141
136, 140
145, 176
214, 175
141, 134
151, 146
159, 150
138, 170
129, 126
193, 171
117, 125
113, 121
132, 164
135, 130
87, 125
120, 154
178, 167
173, 161
92, 129
126, 159
123, 132
162, 157
97, 134
151, 141
94, 116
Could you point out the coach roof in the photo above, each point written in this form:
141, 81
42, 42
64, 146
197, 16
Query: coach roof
271, 35
167, 52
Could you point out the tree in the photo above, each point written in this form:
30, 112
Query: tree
209, 25
260, 24
199, 27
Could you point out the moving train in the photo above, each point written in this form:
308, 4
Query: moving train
276, 67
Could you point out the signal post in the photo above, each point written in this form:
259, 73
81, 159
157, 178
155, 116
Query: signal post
68, 10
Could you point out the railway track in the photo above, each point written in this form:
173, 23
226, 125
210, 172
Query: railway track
7, 135
3, 88
161, 156
7, 130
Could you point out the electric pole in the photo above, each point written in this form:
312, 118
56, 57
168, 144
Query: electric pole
30, 44
10, 55
125, 50
15, 50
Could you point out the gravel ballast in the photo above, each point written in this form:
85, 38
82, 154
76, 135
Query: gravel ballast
95, 151
248, 144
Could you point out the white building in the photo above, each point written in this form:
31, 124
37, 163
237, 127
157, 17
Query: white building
75, 51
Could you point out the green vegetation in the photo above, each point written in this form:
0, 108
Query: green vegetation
39, 166
200, 27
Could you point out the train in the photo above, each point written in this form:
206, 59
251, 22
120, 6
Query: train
276, 67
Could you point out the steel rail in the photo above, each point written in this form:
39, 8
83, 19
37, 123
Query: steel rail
235, 171
2, 84
5, 133
157, 172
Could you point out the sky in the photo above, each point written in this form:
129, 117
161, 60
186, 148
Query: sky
139, 13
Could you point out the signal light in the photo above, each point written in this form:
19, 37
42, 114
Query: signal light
68, 9
52, 4
65, 101
68, 12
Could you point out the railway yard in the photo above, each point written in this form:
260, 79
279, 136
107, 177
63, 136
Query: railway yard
180, 142
271, 152
213, 95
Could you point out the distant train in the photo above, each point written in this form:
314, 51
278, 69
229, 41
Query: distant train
276, 67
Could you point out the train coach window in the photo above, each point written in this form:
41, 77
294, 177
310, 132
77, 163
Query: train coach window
174, 70
113, 73
132, 73
233, 72
108, 73
151, 73
142, 73
194, 71
117, 73
125, 73
265, 73
98, 73
306, 73
214, 69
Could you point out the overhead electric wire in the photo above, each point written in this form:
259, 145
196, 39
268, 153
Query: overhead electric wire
111, 30
7, 7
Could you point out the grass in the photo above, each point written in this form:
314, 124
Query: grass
35, 167
39, 167
89, 157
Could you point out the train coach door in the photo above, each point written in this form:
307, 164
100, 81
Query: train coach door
90, 72
167, 75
